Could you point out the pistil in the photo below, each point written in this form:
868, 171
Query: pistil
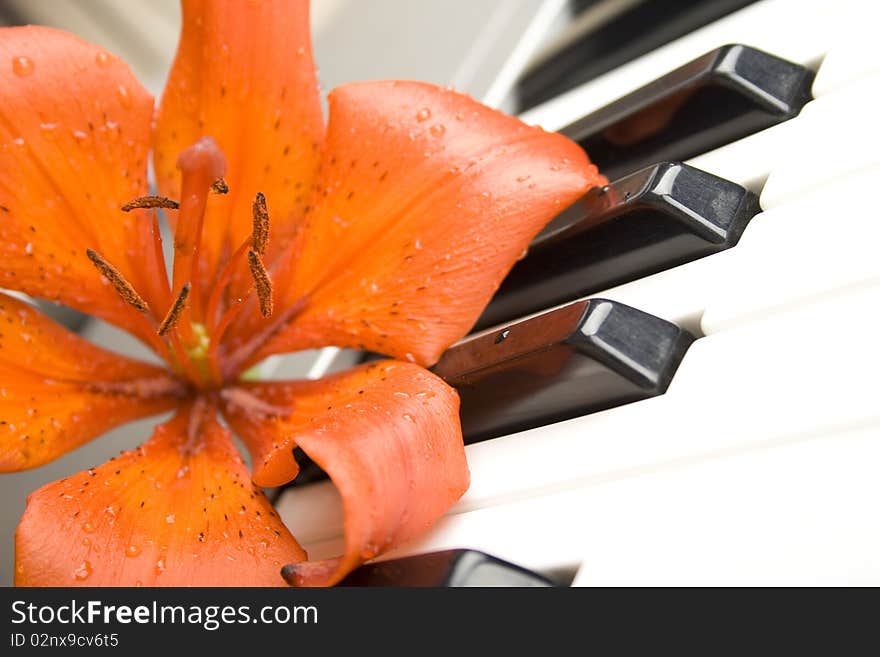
201, 165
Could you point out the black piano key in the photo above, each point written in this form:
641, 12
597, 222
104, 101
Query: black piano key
583, 357
723, 96
655, 219
449, 568
630, 33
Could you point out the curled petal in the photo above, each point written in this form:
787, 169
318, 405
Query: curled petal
178, 511
425, 200
386, 433
244, 75
58, 391
74, 135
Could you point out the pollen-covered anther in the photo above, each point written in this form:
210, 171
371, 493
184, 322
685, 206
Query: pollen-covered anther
262, 282
219, 186
175, 311
117, 280
260, 235
150, 202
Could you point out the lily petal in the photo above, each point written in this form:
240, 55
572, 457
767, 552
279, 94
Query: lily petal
244, 75
386, 433
425, 200
58, 391
74, 136
179, 510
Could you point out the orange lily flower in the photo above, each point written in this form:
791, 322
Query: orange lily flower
388, 230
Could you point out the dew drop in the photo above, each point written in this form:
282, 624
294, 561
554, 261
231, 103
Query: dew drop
160, 566
87, 542
169, 518
402, 395
83, 572
22, 66
423, 115
438, 129
132, 551
124, 97
29, 249
102, 59
88, 528
410, 418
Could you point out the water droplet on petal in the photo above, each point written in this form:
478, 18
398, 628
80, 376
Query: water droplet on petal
438, 129
83, 571
124, 97
102, 59
169, 518
160, 566
22, 66
88, 528
423, 115
132, 551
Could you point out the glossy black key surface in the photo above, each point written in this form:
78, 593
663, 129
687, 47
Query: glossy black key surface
449, 568
723, 96
579, 358
638, 28
655, 219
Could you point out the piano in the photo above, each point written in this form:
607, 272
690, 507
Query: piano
691, 353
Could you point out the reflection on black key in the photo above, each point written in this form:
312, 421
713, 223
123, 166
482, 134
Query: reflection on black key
449, 568
583, 357
652, 220
637, 28
718, 98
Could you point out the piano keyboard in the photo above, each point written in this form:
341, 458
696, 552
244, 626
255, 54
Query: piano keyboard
753, 461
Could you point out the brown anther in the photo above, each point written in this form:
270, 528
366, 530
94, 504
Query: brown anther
150, 202
261, 224
219, 186
262, 283
175, 311
117, 280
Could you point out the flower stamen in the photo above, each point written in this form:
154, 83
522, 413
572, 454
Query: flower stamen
117, 280
219, 186
260, 235
175, 311
262, 282
150, 202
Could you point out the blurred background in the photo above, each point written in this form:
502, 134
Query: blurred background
477, 46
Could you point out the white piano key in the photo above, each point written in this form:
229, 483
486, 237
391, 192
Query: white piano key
798, 514
813, 247
801, 31
798, 376
837, 134
854, 55
750, 160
